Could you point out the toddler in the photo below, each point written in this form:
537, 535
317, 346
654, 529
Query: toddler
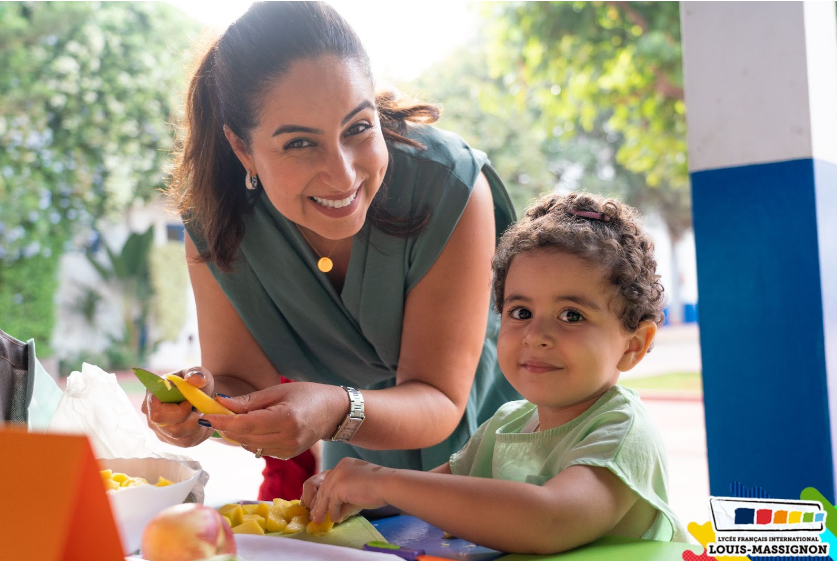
575, 283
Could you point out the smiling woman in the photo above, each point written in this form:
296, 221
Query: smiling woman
337, 239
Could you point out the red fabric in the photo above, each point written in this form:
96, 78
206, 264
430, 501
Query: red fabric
283, 479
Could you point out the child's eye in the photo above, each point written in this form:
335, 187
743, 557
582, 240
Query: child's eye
298, 143
520, 313
358, 128
571, 316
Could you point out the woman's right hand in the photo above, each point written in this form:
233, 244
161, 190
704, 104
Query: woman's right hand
177, 423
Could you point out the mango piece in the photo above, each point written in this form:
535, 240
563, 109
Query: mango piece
111, 485
259, 519
134, 482
274, 523
197, 398
295, 509
119, 477
262, 509
294, 526
234, 512
163, 482
320, 529
106, 474
249, 508
248, 527
280, 506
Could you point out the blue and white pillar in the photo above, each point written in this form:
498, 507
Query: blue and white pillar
761, 103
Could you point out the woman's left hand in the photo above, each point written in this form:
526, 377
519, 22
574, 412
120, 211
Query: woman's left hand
283, 420
353, 485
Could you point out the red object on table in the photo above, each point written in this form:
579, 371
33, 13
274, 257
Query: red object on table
283, 479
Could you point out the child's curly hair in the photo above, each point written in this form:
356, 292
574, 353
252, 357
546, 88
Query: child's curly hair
600, 230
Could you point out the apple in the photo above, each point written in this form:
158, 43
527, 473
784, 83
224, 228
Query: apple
187, 532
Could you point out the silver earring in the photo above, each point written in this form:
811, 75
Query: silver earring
251, 182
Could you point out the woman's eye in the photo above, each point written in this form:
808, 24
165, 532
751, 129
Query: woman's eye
358, 128
520, 313
298, 143
571, 316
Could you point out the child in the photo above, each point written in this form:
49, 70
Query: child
575, 282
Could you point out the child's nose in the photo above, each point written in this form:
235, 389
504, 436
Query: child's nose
538, 334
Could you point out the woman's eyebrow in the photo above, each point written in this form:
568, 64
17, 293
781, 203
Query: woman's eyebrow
284, 129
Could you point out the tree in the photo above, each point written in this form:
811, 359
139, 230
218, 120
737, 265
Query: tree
87, 91
608, 70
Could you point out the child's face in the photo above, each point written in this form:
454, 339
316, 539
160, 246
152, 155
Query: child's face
560, 344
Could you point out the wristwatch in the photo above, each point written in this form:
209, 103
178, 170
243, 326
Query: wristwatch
351, 423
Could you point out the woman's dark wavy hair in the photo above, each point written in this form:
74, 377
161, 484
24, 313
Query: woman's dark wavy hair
228, 87
616, 242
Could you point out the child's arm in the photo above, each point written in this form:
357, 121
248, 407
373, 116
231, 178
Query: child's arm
575, 507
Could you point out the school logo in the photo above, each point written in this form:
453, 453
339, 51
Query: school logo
752, 525
767, 527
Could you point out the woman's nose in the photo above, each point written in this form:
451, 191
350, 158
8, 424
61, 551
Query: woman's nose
338, 169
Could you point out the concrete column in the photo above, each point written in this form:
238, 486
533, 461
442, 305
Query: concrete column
761, 103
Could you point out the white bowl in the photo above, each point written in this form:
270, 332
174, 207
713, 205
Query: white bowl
134, 507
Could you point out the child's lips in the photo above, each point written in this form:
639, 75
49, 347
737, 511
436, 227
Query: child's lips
538, 367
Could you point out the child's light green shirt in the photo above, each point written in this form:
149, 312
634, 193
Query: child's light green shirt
614, 433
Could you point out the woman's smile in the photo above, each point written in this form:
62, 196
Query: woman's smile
338, 206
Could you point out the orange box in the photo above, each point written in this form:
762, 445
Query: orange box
58, 474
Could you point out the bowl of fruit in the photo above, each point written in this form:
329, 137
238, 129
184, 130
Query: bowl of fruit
139, 488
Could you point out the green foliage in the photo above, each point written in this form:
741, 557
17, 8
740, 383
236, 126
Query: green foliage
530, 159
27, 290
87, 91
169, 282
615, 66
128, 271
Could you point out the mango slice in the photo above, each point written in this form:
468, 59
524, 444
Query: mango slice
320, 529
248, 527
197, 398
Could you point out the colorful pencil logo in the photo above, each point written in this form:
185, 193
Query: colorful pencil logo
766, 515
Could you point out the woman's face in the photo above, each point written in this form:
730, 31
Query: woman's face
318, 149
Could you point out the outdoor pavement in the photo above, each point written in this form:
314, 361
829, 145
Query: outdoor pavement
236, 473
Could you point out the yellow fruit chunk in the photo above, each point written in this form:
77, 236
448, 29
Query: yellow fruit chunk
295, 509
274, 523
259, 519
320, 529
233, 512
111, 485
106, 474
196, 397
249, 508
248, 527
293, 527
119, 477
134, 482
262, 509
162, 482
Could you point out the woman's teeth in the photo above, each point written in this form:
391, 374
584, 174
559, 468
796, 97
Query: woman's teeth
336, 204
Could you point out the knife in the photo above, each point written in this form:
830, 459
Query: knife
162, 389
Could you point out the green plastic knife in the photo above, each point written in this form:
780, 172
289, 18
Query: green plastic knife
157, 386
167, 393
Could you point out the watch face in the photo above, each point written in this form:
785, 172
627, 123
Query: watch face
347, 430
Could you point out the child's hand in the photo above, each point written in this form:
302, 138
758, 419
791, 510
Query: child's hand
345, 490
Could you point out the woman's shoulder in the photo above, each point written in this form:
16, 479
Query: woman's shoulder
441, 147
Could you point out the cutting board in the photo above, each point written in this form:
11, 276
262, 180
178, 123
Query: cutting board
354, 533
409, 531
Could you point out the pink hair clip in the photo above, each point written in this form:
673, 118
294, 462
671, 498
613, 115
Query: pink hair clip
590, 214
